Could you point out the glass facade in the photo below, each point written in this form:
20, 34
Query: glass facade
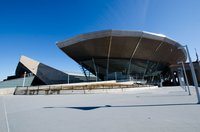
17, 82
119, 69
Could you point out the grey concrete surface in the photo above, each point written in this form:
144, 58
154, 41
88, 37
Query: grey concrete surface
148, 110
7, 91
3, 116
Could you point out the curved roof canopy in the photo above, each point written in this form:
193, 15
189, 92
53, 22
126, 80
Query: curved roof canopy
124, 44
112, 53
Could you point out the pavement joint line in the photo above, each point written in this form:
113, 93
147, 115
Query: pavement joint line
5, 112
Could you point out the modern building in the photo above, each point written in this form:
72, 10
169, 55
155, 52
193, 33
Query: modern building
117, 54
177, 72
111, 55
30, 72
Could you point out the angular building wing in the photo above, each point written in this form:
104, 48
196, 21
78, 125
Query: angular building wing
30, 72
44, 74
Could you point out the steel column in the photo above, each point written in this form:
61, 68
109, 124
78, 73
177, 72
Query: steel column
133, 53
109, 48
186, 78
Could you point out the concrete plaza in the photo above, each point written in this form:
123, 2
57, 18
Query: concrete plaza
167, 109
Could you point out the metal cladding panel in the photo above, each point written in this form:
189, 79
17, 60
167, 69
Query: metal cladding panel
153, 36
177, 56
98, 34
147, 50
84, 37
50, 75
93, 48
172, 42
163, 53
123, 47
173, 56
120, 33
166, 51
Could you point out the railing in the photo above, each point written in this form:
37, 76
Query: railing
74, 88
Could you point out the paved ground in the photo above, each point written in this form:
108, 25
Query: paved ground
150, 110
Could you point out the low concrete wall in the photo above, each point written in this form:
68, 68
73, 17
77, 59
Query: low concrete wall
7, 91
113, 90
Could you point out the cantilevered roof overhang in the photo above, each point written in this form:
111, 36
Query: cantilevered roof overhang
124, 44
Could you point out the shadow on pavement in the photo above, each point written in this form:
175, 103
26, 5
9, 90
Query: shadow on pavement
122, 106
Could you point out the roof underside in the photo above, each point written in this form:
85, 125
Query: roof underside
125, 52
123, 44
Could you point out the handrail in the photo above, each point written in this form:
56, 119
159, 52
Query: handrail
52, 89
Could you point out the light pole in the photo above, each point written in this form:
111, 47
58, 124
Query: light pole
185, 77
24, 79
68, 78
193, 74
115, 76
96, 77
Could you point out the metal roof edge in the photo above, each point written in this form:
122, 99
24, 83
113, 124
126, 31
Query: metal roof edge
112, 32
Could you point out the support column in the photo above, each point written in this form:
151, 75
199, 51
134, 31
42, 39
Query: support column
186, 78
109, 48
95, 68
193, 76
145, 69
133, 53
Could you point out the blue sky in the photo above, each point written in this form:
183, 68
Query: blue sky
32, 27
